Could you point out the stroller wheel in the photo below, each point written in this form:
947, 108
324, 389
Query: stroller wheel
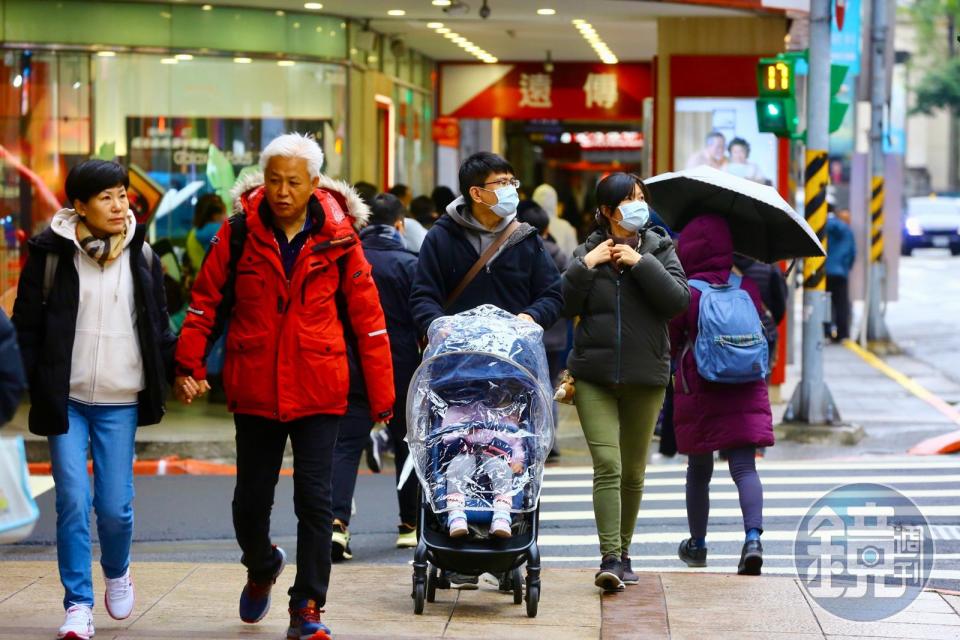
533, 599
517, 586
432, 584
419, 595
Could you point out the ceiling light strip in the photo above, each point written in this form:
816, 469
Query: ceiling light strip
594, 40
463, 43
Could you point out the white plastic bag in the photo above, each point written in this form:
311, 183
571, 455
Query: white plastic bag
18, 510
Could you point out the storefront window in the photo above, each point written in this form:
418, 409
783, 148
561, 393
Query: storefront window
169, 128
44, 130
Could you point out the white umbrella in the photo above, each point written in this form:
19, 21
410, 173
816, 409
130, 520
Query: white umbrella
173, 198
763, 225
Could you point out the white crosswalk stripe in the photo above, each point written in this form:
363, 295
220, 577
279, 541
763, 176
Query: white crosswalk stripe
568, 534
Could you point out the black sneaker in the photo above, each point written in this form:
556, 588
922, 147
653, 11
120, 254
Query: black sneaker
629, 577
751, 558
693, 555
462, 581
610, 576
340, 543
378, 445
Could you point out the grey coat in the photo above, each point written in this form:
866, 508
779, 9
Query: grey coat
622, 335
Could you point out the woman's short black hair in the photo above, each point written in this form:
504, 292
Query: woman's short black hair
739, 142
386, 208
614, 189
533, 214
89, 178
209, 205
476, 168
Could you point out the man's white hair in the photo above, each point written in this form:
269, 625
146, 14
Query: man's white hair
295, 145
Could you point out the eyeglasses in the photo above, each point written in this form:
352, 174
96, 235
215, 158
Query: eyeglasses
505, 182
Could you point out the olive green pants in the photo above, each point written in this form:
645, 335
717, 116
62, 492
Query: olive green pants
618, 422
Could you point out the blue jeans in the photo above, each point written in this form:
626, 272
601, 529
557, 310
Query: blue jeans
109, 432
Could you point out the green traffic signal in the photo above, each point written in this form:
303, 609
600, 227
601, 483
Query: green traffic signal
777, 90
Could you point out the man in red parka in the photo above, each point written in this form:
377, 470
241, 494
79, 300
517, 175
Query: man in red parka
302, 289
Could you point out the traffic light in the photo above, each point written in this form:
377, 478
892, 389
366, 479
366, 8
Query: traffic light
777, 101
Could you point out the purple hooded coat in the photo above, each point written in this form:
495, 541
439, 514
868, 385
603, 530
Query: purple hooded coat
713, 416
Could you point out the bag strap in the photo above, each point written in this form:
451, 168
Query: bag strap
700, 285
49, 273
481, 262
238, 237
735, 280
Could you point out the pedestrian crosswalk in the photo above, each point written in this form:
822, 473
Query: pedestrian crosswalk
568, 534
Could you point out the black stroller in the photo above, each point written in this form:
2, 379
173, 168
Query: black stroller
481, 396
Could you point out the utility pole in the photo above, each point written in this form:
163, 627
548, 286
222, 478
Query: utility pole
876, 333
812, 402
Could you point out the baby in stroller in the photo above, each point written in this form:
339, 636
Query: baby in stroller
486, 446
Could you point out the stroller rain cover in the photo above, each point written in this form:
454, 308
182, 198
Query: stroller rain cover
480, 405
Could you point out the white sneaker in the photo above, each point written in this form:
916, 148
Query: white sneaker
119, 596
78, 625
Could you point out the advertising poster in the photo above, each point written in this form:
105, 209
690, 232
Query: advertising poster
723, 133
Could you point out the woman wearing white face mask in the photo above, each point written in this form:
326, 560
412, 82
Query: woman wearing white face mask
625, 283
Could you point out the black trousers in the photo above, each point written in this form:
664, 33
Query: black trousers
352, 440
260, 446
839, 289
668, 437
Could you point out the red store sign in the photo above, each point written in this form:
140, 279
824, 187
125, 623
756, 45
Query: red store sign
526, 91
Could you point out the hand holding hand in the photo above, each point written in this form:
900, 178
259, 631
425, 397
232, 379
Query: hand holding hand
187, 389
625, 256
526, 317
600, 254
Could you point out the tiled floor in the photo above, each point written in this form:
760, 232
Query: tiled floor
194, 601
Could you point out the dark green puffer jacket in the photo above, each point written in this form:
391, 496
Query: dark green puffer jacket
622, 334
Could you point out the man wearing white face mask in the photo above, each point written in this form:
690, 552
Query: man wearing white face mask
477, 253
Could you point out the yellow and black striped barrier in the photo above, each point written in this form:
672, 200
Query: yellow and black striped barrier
876, 219
816, 180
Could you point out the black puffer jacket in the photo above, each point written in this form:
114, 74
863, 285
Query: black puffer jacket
46, 331
622, 335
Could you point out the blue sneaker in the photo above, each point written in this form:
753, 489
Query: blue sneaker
305, 622
255, 597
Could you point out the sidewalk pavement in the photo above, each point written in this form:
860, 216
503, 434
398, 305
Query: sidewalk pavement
199, 601
893, 418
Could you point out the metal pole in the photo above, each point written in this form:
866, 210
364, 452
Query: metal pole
812, 402
876, 328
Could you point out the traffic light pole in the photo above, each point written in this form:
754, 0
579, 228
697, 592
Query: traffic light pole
812, 402
875, 332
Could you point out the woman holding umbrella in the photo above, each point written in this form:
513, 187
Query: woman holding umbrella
712, 416
625, 283
716, 214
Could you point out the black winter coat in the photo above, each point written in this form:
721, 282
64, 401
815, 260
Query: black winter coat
622, 334
393, 271
12, 379
46, 331
520, 279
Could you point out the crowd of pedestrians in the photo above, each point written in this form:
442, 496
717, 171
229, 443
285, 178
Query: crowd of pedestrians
326, 290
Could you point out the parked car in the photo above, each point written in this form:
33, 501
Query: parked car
932, 222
